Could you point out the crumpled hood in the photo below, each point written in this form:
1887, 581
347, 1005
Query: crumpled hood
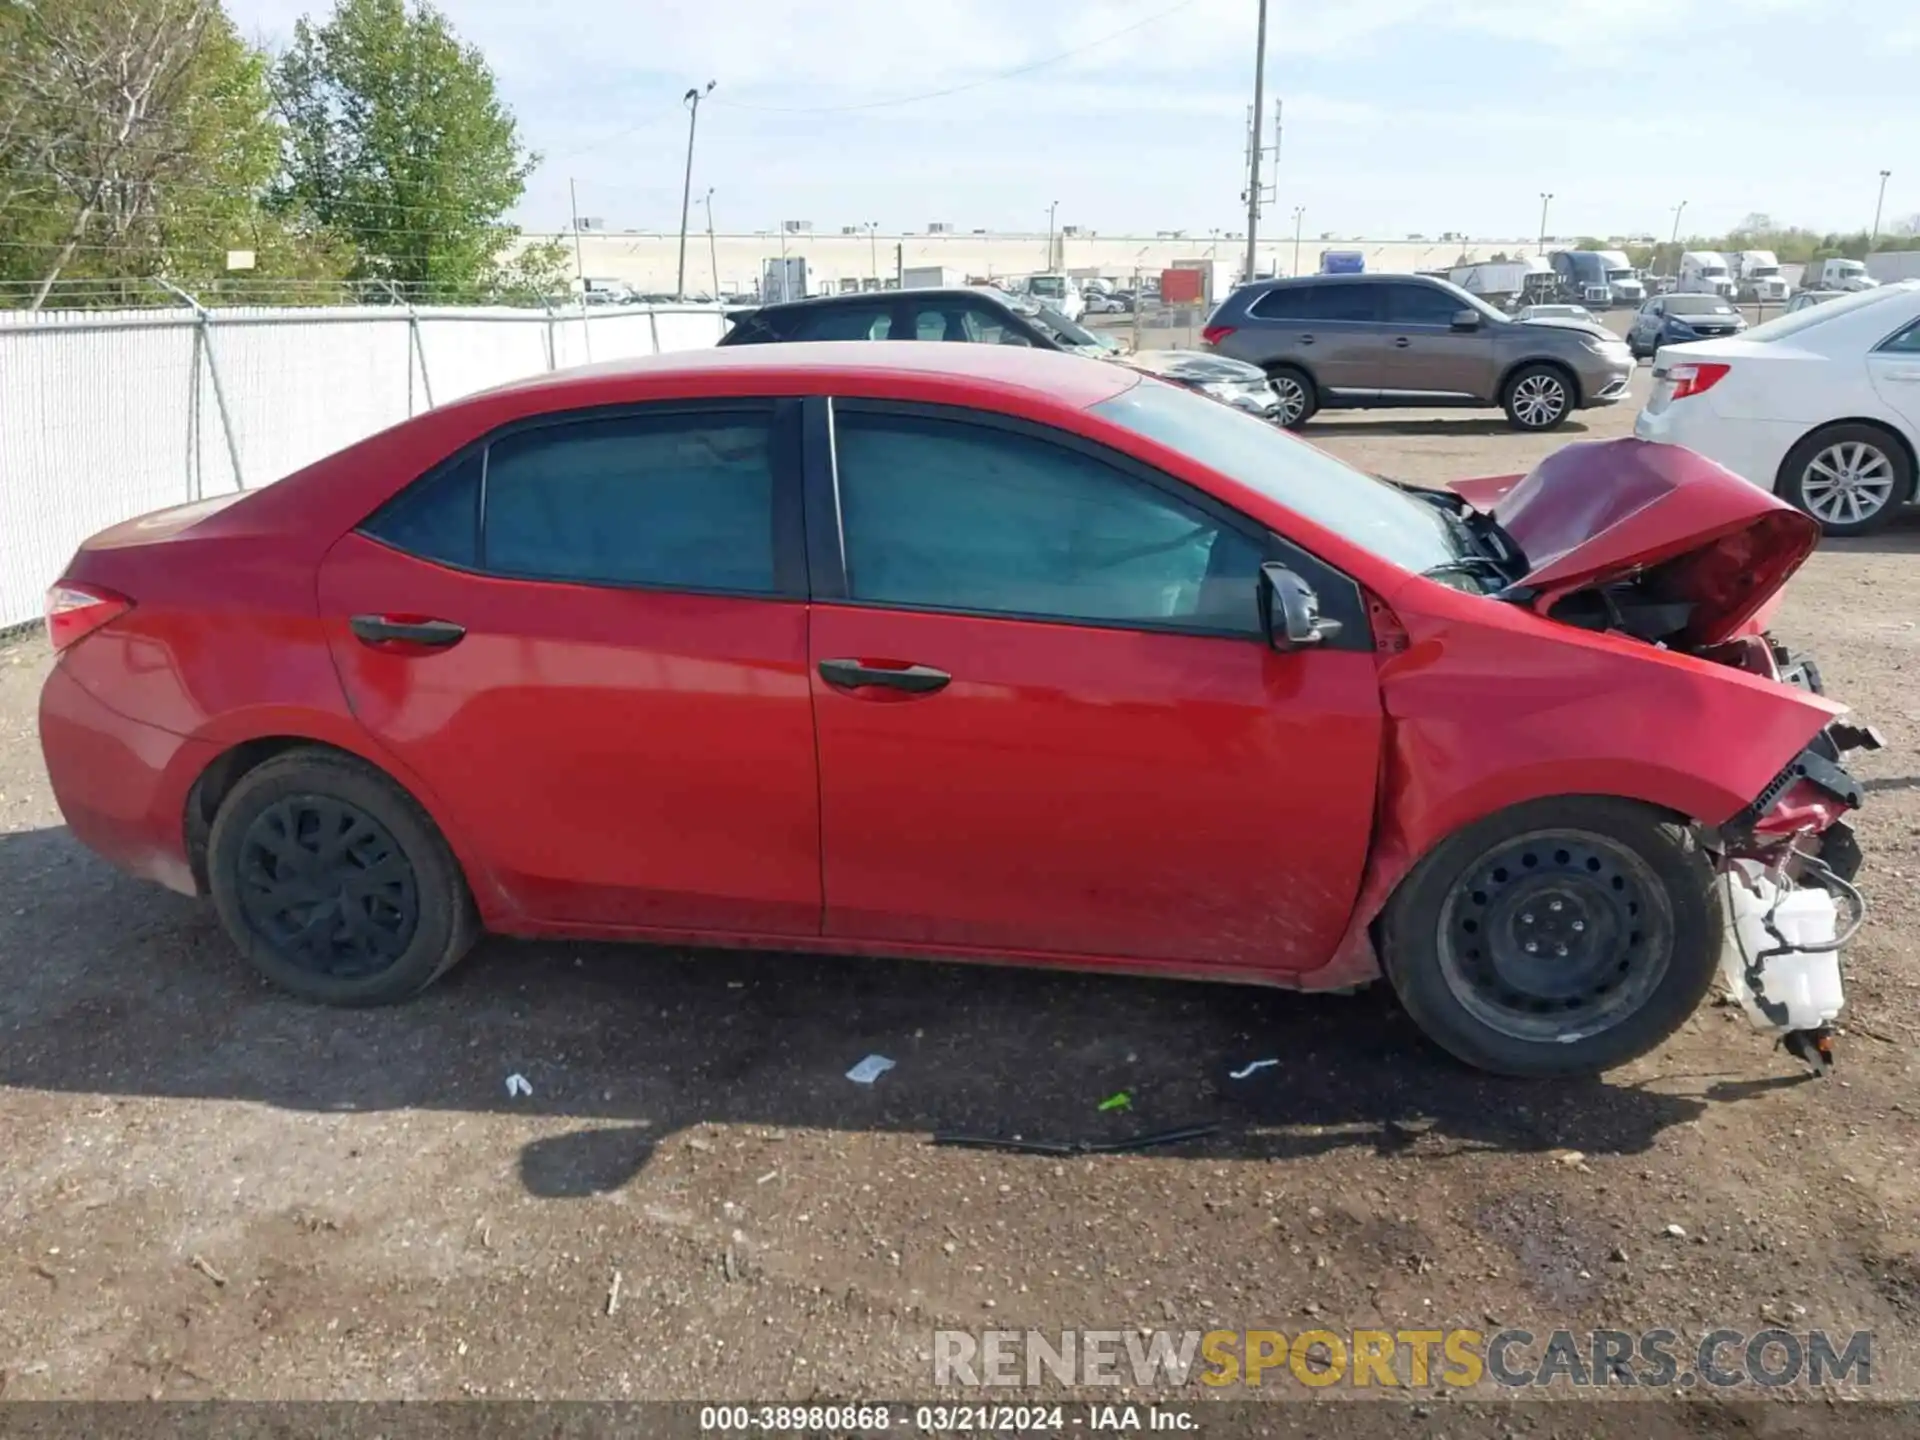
1693, 531
1195, 367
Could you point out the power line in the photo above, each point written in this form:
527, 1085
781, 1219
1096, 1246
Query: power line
1014, 73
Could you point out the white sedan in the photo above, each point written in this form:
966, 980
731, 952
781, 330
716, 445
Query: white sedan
1821, 405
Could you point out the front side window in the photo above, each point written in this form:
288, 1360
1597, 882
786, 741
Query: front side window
943, 514
1420, 305
681, 501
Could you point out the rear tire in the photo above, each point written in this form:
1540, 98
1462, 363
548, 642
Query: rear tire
1853, 479
1615, 900
335, 884
1299, 397
1538, 398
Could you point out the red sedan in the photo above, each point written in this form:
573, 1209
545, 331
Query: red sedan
965, 652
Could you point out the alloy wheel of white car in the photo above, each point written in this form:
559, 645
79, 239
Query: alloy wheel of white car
1847, 483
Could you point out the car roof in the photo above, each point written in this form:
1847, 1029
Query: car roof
1375, 277
823, 366
868, 297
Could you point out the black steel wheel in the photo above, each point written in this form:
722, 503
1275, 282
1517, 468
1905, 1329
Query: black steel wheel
1563, 936
334, 882
1555, 935
328, 886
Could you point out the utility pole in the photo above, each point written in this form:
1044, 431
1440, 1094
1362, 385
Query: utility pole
713, 252
1878, 205
1052, 210
692, 100
1299, 214
1253, 160
873, 251
1673, 240
1546, 199
579, 263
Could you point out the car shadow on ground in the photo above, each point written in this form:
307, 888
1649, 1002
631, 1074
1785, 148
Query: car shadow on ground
111, 986
1337, 423
1901, 537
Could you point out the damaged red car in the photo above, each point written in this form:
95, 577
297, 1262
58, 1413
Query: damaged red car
971, 652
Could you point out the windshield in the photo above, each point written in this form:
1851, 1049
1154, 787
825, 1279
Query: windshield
1697, 305
1847, 267
1051, 286
1763, 269
1369, 512
1619, 274
1794, 321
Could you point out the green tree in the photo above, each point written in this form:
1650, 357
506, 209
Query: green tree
136, 141
396, 137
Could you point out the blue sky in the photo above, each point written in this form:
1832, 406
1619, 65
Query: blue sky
1402, 116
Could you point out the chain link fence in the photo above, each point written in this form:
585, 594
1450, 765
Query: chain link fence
108, 414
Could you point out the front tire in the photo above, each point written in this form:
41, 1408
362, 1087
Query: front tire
1851, 478
1537, 398
334, 883
1561, 937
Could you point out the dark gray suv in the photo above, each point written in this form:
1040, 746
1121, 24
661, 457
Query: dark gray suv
1360, 341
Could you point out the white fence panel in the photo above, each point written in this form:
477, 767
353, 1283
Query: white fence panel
105, 415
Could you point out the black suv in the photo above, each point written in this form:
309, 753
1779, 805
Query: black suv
982, 316
1357, 341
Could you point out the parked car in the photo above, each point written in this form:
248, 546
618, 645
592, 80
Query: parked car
968, 651
1821, 405
1803, 299
1673, 319
1118, 302
1556, 312
987, 317
1356, 341
1062, 292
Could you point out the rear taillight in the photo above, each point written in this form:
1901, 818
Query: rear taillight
1696, 377
1214, 334
76, 611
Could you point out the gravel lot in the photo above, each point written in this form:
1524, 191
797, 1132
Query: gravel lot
215, 1191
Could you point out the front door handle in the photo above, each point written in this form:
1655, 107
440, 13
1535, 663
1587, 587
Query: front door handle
854, 675
1305, 339
1402, 343
1904, 374
381, 630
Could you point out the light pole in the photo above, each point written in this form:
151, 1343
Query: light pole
692, 99
1299, 214
1052, 210
1546, 199
1253, 140
713, 253
579, 264
873, 250
1877, 206
1673, 240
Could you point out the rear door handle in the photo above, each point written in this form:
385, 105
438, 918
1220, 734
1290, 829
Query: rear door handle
1306, 339
914, 679
405, 630
1402, 343
1911, 373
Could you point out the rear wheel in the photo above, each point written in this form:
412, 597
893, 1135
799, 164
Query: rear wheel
1561, 937
334, 883
1296, 393
1537, 397
1851, 478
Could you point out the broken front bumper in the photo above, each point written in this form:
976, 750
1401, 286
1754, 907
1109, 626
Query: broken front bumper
1788, 862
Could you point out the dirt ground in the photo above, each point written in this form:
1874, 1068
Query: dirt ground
215, 1191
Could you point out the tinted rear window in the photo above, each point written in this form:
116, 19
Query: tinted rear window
437, 517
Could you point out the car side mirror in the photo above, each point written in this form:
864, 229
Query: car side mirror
1466, 320
1290, 611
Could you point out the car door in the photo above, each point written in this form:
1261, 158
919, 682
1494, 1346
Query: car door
1895, 367
1424, 354
587, 637
1048, 719
1340, 336
1646, 324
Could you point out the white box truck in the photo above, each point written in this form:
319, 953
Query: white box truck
1887, 266
931, 277
1837, 273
